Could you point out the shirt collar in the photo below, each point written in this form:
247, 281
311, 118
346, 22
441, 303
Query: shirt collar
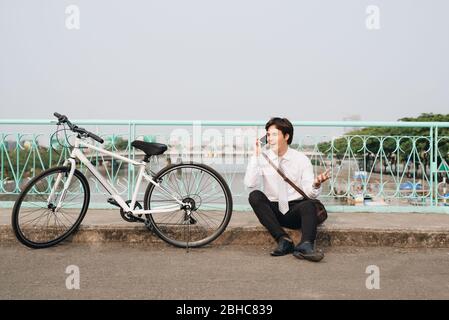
286, 156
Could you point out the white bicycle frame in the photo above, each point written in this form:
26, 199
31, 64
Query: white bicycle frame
78, 154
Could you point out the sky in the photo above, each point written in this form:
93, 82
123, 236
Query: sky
224, 60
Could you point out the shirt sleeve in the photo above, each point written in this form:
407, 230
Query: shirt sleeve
253, 173
307, 180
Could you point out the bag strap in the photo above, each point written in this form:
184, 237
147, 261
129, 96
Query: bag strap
286, 179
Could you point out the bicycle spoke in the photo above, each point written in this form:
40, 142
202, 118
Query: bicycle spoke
183, 182
201, 217
190, 179
31, 212
204, 216
47, 213
205, 186
199, 183
170, 216
178, 192
213, 197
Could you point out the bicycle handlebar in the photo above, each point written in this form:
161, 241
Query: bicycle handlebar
94, 136
74, 128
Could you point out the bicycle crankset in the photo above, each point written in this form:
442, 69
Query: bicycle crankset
128, 216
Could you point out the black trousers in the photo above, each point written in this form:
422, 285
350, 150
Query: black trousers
301, 215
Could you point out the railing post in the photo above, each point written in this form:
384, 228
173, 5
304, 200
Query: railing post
2, 172
432, 178
17, 181
434, 167
131, 128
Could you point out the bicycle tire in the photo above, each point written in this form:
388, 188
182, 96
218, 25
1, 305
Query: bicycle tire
19, 231
165, 234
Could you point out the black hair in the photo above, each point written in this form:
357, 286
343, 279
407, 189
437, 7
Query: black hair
282, 124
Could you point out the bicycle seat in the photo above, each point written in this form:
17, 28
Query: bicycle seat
150, 148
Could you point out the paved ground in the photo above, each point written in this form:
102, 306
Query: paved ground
115, 271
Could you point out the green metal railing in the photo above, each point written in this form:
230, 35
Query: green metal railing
380, 171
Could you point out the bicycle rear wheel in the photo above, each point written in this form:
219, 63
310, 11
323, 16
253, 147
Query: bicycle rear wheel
37, 221
210, 199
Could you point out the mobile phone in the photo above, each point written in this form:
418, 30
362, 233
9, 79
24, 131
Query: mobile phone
263, 140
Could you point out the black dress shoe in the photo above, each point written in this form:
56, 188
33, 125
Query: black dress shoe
284, 247
307, 251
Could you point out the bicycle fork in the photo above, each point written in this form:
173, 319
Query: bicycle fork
52, 195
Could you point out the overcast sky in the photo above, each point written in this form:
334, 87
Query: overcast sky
224, 59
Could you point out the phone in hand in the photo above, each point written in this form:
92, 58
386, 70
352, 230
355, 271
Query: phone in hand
263, 140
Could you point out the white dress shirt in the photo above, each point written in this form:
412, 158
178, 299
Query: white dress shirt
297, 167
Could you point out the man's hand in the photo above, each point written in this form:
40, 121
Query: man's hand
322, 178
257, 148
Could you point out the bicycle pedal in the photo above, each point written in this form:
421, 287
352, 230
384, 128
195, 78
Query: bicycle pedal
113, 202
136, 218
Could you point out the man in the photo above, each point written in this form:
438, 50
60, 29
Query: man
281, 205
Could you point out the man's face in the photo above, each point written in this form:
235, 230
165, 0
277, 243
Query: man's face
276, 139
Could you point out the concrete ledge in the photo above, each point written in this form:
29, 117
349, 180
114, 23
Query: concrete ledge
327, 236
388, 238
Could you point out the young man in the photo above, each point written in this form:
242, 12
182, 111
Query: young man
281, 205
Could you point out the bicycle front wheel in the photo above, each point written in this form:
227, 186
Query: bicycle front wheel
208, 195
50, 207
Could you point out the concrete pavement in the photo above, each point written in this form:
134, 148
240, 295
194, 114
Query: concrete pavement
141, 271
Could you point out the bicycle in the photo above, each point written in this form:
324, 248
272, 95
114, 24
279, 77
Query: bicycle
185, 204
